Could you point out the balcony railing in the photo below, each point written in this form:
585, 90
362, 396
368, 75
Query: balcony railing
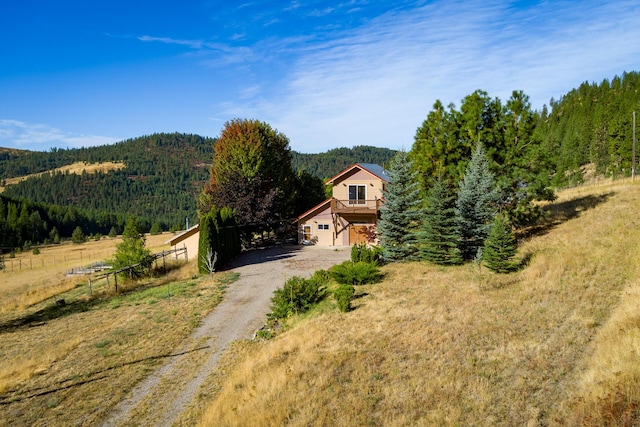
353, 206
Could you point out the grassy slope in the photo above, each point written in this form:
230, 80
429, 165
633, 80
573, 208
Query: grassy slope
557, 343
69, 365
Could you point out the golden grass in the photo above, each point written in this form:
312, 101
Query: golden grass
69, 365
13, 374
76, 168
557, 343
29, 279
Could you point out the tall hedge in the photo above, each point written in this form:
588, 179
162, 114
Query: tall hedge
219, 231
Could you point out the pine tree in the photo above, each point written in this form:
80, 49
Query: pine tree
500, 248
132, 249
476, 204
78, 236
400, 215
156, 228
439, 237
54, 236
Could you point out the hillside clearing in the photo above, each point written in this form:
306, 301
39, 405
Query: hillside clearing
554, 344
77, 168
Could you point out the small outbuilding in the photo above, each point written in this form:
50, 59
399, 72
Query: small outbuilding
187, 239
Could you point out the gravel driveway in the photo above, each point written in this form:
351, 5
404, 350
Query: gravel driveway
238, 316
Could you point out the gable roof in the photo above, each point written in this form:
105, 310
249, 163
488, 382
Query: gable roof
316, 208
375, 170
184, 235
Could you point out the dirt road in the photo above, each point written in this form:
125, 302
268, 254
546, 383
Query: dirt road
163, 395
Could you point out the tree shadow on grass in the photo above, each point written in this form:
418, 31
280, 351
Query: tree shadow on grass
558, 213
60, 307
262, 255
7, 398
50, 312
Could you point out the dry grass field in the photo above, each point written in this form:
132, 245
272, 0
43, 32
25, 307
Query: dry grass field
69, 364
557, 343
76, 168
28, 279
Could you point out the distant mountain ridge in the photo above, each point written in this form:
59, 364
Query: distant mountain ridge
162, 177
326, 165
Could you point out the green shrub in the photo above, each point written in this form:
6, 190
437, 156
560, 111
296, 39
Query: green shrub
356, 273
343, 295
500, 248
298, 295
323, 276
365, 253
36, 251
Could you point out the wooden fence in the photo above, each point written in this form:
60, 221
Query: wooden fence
132, 269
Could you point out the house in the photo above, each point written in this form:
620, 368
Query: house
189, 239
349, 216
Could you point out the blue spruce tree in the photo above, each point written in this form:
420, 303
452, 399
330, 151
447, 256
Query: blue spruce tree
399, 218
476, 204
439, 237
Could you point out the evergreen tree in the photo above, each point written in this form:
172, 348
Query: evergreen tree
113, 233
500, 248
439, 237
54, 236
78, 236
156, 228
476, 204
132, 249
400, 215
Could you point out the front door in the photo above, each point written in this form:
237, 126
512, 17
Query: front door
357, 234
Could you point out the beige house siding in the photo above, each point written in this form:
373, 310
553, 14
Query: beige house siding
317, 225
373, 186
189, 239
339, 221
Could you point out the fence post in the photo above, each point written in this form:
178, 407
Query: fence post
90, 290
164, 265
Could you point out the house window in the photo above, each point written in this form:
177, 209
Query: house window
306, 233
357, 194
323, 226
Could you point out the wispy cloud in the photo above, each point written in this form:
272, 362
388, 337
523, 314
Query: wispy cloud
19, 134
376, 83
194, 44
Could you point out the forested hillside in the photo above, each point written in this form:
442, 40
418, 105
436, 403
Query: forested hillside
592, 124
11, 153
160, 183
163, 173
326, 165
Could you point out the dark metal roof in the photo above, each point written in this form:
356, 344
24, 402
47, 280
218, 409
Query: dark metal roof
376, 170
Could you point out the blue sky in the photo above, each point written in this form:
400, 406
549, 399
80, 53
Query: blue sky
326, 74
